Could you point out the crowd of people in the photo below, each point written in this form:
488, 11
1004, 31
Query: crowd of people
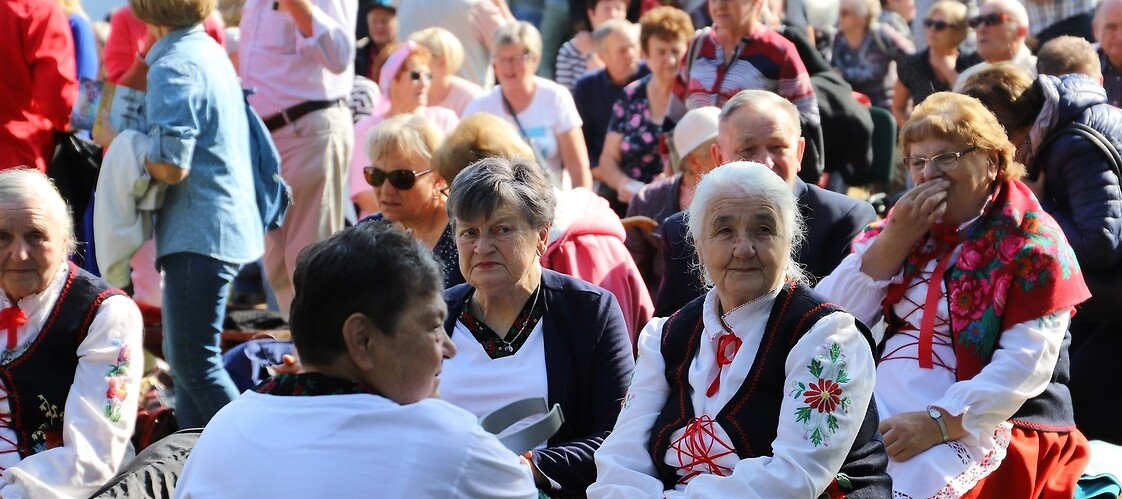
636, 211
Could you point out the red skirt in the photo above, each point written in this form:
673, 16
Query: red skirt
1038, 465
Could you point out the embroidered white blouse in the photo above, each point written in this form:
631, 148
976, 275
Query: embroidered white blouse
100, 408
828, 386
1020, 369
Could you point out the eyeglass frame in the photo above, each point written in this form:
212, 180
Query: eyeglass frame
408, 180
511, 61
992, 19
935, 160
938, 25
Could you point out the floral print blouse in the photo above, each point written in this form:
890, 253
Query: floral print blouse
631, 118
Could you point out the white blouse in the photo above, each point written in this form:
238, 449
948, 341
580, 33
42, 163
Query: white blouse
100, 408
1021, 368
811, 445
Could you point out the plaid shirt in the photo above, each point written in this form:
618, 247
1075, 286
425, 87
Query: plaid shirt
1044, 13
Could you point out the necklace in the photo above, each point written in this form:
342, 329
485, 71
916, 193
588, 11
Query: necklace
505, 346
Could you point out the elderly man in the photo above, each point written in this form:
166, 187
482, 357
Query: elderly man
1108, 31
299, 56
760, 126
368, 321
1001, 27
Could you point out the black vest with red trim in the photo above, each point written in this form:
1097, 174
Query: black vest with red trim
751, 417
39, 380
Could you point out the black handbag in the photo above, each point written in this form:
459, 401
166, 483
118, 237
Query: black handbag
74, 170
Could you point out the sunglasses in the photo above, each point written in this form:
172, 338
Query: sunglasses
417, 75
936, 25
401, 180
992, 19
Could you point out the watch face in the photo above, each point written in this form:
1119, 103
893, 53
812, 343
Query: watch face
933, 412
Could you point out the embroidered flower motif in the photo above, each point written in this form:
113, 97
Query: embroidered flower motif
49, 434
117, 381
824, 396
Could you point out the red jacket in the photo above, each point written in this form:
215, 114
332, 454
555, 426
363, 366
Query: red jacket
39, 86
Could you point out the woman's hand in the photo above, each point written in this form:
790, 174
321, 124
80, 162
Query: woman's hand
908, 434
917, 211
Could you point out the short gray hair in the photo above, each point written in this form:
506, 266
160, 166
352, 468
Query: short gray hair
761, 102
407, 134
614, 26
482, 188
25, 184
519, 33
746, 179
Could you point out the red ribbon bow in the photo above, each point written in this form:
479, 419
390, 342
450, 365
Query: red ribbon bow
11, 319
727, 345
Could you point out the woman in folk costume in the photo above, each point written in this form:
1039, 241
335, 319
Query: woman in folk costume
970, 380
759, 388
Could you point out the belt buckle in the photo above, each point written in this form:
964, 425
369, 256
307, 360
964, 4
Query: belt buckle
284, 116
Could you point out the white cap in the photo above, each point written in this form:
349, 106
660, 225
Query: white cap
694, 129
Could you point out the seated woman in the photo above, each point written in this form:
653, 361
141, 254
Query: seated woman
791, 416
406, 188
523, 331
68, 385
404, 80
866, 51
361, 418
972, 371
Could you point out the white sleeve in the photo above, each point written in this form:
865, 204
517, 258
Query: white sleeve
567, 115
493, 471
100, 410
1021, 368
624, 468
853, 289
830, 375
332, 43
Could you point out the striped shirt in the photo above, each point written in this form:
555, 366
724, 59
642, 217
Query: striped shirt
570, 65
764, 61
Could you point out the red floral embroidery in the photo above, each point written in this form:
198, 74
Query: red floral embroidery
825, 395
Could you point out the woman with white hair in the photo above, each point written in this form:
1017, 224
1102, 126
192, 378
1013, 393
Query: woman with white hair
866, 51
68, 382
446, 89
760, 387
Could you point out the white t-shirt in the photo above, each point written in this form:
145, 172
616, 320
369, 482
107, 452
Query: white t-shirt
358, 445
551, 112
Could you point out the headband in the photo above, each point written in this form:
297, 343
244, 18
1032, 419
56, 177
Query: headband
393, 64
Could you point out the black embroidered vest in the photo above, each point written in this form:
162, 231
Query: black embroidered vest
751, 417
39, 380
1050, 411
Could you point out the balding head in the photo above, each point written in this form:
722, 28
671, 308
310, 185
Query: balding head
1002, 26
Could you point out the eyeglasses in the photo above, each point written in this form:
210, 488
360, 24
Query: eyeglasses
991, 19
417, 75
402, 179
945, 162
510, 61
845, 12
936, 25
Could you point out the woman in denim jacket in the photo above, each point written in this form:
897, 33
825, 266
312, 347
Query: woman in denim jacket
208, 225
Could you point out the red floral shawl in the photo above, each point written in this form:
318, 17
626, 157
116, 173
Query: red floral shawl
1015, 265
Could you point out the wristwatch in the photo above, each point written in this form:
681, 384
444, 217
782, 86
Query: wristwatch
937, 415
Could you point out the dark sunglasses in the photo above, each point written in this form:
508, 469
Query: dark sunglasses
992, 19
402, 180
417, 75
936, 25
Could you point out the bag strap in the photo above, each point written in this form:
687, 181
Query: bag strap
538, 156
498, 422
1096, 138
695, 47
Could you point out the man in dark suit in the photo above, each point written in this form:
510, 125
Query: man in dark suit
760, 126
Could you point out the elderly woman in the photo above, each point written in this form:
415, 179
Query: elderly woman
1076, 181
68, 384
791, 416
361, 416
447, 90
972, 370
209, 225
404, 82
523, 331
407, 189
543, 111
630, 157
866, 51
935, 68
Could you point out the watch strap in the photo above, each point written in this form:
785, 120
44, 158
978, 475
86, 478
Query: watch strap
937, 414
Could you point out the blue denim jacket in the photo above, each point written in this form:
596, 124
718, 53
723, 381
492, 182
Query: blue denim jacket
197, 121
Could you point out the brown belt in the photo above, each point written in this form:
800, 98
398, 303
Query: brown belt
290, 115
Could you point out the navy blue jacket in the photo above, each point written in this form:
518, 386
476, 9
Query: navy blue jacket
832, 221
1081, 189
588, 363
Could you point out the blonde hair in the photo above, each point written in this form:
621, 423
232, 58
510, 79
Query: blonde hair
954, 14
407, 134
441, 43
960, 118
479, 136
172, 13
71, 7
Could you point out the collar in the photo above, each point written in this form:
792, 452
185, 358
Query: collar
715, 323
164, 44
37, 306
311, 384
